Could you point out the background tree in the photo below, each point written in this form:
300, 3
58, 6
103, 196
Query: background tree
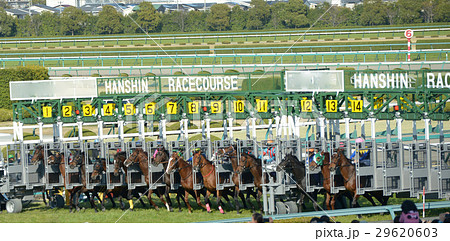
258, 15
391, 12
24, 27
295, 14
109, 21
46, 24
337, 16
374, 13
238, 18
73, 20
278, 15
218, 18
196, 21
148, 18
442, 11
409, 11
7, 24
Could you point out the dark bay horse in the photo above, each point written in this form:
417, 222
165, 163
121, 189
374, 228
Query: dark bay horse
141, 157
36, 159
323, 161
161, 156
292, 164
230, 153
177, 163
79, 160
253, 164
207, 169
348, 172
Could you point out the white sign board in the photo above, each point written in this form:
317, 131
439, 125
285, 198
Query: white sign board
409, 33
53, 89
314, 81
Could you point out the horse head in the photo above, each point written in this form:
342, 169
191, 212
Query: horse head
286, 163
133, 158
247, 161
98, 169
77, 160
172, 165
336, 159
160, 156
38, 155
55, 158
198, 161
119, 159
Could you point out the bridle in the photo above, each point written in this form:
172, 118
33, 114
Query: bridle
245, 164
339, 156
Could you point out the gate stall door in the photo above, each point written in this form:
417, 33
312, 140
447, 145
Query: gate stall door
114, 155
364, 166
73, 151
34, 173
290, 147
15, 166
197, 176
223, 166
392, 167
314, 178
180, 147
93, 152
417, 162
155, 172
135, 177
53, 157
444, 169
246, 179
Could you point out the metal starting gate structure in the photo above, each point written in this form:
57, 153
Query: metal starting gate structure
288, 100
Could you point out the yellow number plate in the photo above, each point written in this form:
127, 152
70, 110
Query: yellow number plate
306, 105
239, 106
331, 105
150, 108
47, 111
193, 107
261, 105
216, 107
128, 109
88, 110
171, 108
357, 105
67, 111
108, 109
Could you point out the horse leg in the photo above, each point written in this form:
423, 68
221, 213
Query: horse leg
196, 194
301, 202
149, 196
208, 204
168, 200
355, 200
236, 201
327, 201
91, 201
369, 197
314, 196
186, 200
101, 200
219, 201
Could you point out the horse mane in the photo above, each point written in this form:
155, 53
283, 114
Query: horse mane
301, 162
258, 160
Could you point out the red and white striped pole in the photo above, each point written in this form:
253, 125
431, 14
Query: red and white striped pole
408, 34
423, 202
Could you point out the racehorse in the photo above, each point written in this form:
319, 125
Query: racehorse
36, 159
291, 164
120, 191
79, 160
250, 162
230, 153
161, 156
208, 172
348, 172
139, 156
177, 163
324, 162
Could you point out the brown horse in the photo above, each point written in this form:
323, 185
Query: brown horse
292, 164
36, 159
177, 163
230, 153
79, 160
208, 172
323, 161
140, 156
251, 163
348, 172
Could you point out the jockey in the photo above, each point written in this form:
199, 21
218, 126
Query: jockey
364, 155
198, 149
269, 152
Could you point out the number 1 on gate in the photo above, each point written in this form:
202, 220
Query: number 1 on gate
47, 111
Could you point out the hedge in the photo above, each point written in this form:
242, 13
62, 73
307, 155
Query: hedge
20, 73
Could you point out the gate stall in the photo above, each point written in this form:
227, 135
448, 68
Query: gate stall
175, 179
443, 151
53, 176
246, 179
93, 151
155, 173
111, 149
73, 174
392, 159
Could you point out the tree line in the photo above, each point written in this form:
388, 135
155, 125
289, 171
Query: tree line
281, 15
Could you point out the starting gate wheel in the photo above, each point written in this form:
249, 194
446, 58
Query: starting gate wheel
59, 201
14, 206
280, 208
291, 207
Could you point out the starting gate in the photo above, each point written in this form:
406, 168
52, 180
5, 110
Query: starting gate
155, 173
175, 179
204, 145
93, 152
392, 153
73, 174
112, 181
443, 151
134, 176
53, 176
246, 179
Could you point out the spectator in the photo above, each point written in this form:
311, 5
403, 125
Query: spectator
409, 214
258, 218
364, 155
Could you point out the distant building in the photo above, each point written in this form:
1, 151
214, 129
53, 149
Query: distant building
43, 8
20, 13
75, 3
